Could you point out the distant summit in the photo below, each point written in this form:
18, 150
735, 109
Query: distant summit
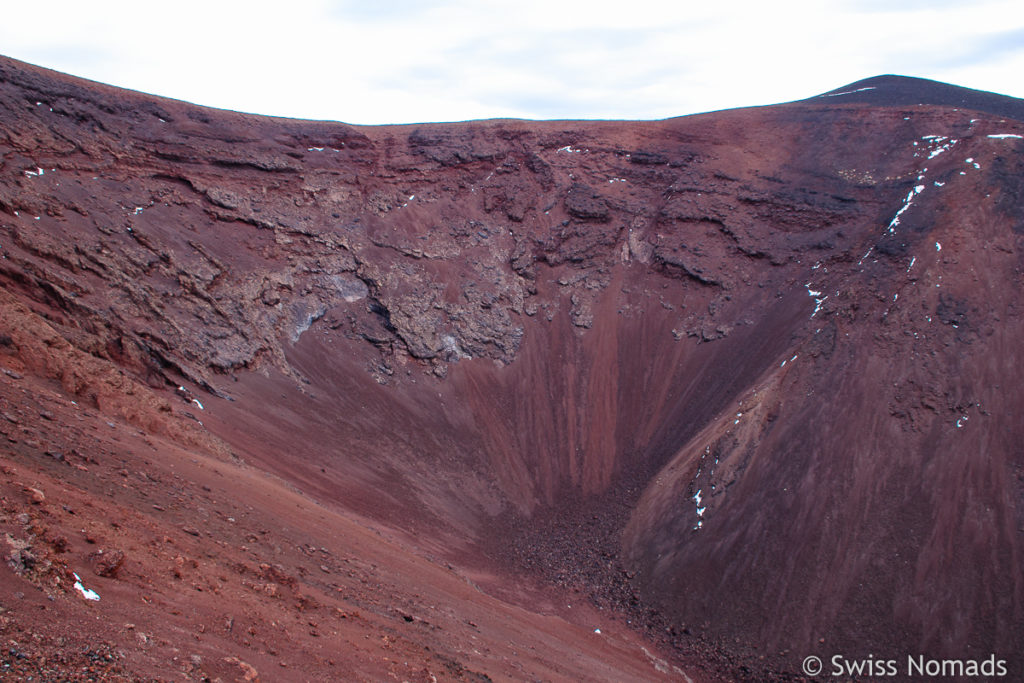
895, 91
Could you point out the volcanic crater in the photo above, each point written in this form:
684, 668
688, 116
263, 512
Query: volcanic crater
687, 400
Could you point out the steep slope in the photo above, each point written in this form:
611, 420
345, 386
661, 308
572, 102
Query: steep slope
749, 378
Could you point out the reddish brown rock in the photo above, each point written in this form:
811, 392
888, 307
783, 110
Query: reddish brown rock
107, 562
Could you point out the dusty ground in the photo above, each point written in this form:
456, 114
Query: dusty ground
207, 568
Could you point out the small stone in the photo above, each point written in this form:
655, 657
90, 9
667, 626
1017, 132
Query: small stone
190, 530
106, 563
37, 495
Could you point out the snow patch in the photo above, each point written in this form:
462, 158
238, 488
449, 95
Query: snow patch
937, 144
847, 92
818, 299
700, 510
86, 593
918, 189
1004, 136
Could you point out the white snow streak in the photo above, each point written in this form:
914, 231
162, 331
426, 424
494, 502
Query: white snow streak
818, 299
86, 593
700, 510
848, 92
918, 189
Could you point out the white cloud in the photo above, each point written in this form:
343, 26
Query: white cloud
405, 61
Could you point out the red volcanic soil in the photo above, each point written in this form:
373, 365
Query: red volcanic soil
679, 400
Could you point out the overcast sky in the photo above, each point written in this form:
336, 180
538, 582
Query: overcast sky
366, 61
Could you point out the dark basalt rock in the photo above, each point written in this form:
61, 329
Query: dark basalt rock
583, 202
